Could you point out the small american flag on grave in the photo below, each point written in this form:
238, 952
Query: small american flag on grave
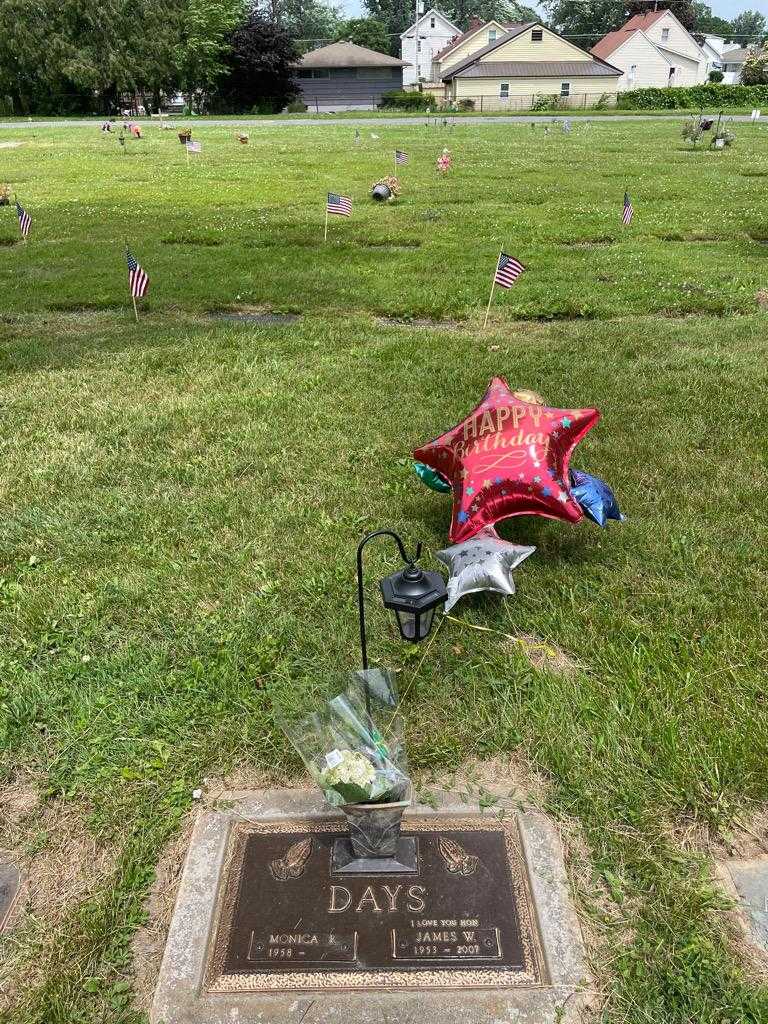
340, 205
508, 269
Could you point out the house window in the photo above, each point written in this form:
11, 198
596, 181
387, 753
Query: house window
418, 47
504, 91
537, 35
632, 74
665, 35
431, 22
565, 88
492, 35
671, 75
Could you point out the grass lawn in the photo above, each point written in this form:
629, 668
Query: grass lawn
181, 500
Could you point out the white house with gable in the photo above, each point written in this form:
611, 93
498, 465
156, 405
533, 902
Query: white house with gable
653, 49
428, 35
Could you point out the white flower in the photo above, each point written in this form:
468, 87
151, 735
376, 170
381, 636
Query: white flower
354, 769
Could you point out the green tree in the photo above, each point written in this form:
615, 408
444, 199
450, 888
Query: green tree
365, 32
395, 15
748, 27
308, 22
462, 11
589, 20
70, 56
205, 30
682, 10
755, 69
707, 22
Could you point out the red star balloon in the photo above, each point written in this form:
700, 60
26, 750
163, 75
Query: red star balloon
508, 458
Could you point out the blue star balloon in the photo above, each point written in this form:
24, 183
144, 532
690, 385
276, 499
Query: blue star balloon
595, 497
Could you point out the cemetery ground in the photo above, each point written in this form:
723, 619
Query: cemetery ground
181, 501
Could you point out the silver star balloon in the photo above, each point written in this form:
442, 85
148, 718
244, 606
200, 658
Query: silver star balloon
484, 562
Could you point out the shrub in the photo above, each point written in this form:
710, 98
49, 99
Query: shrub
603, 102
466, 104
716, 76
694, 97
542, 102
754, 71
398, 99
296, 107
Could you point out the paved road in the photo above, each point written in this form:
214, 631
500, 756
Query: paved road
371, 122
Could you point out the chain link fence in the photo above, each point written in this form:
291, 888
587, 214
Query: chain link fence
530, 102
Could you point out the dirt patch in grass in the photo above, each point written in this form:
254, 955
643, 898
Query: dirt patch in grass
83, 308
557, 315
192, 240
9, 241
254, 316
61, 865
762, 298
390, 245
424, 322
675, 313
692, 237
589, 243
545, 655
760, 239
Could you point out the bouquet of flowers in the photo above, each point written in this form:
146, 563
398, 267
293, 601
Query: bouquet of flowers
353, 746
444, 161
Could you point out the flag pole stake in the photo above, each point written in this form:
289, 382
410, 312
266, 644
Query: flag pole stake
325, 236
493, 285
135, 310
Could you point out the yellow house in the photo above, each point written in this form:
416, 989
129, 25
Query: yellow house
479, 35
526, 62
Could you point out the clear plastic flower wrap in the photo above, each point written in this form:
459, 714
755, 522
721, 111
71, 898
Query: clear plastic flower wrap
353, 747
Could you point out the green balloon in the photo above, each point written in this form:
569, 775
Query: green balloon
431, 478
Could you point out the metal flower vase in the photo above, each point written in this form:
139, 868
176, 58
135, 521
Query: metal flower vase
381, 192
374, 829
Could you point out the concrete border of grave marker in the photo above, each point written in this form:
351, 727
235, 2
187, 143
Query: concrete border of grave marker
182, 995
10, 889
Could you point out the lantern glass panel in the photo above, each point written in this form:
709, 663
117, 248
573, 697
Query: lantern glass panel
425, 623
407, 622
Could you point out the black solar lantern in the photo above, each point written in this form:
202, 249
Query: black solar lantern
412, 594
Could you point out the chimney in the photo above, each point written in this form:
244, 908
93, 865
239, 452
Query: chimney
475, 22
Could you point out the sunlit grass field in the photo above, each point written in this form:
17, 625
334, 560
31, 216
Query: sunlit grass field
180, 502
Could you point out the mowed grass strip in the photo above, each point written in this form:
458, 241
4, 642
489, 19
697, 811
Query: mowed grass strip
181, 502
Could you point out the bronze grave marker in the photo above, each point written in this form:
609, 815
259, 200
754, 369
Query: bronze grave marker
290, 918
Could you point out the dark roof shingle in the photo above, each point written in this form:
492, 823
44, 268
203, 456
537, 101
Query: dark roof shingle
539, 69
